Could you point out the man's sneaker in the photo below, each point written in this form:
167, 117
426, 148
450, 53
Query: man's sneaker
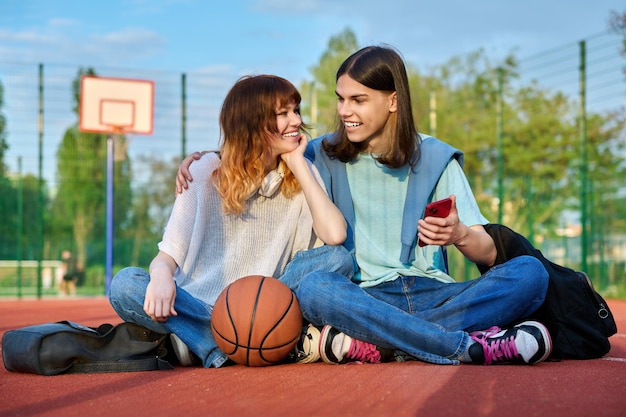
336, 347
183, 354
308, 347
526, 343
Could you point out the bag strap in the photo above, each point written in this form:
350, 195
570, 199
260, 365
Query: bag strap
134, 365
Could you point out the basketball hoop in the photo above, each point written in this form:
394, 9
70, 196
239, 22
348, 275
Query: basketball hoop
114, 106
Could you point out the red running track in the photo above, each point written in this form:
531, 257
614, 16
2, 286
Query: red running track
551, 389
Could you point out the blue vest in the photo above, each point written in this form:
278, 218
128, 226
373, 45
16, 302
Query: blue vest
434, 157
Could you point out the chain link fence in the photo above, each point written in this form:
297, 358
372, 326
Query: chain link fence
39, 106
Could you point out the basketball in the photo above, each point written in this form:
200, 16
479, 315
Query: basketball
256, 321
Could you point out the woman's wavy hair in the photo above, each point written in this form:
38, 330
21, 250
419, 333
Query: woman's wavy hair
247, 123
380, 68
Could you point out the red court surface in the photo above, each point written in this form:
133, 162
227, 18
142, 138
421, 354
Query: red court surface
551, 389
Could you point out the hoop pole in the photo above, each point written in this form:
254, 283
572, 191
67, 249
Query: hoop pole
109, 214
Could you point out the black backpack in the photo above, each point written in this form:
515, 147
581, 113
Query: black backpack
66, 347
578, 318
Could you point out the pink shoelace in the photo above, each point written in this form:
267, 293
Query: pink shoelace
496, 350
363, 352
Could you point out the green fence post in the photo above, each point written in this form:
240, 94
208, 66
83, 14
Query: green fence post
41, 187
20, 224
583, 158
499, 130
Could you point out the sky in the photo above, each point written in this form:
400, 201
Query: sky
283, 37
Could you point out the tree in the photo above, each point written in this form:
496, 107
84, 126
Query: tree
607, 171
19, 204
540, 152
466, 93
541, 143
14, 218
152, 203
4, 146
79, 207
339, 48
617, 24
7, 219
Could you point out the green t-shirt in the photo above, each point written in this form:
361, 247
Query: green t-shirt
378, 195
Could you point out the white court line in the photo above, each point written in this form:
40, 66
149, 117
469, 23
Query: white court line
614, 359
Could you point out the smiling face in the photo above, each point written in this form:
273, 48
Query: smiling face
288, 123
364, 111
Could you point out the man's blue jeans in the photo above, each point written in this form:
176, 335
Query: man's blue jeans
193, 322
424, 318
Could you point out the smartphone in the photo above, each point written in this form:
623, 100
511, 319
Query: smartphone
439, 208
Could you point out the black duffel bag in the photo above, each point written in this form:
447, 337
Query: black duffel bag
66, 347
578, 318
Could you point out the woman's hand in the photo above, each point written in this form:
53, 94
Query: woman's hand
161, 290
328, 222
297, 155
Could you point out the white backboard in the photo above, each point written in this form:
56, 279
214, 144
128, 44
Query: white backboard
116, 105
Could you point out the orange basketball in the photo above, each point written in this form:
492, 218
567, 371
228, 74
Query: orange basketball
256, 321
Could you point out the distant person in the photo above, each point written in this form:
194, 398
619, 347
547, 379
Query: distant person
257, 207
381, 174
71, 273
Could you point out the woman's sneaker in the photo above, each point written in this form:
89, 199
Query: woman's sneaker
338, 348
182, 352
307, 349
526, 343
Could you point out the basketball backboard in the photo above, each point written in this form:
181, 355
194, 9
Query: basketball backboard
116, 105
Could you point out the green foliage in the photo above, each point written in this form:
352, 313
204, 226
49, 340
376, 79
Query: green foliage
456, 101
79, 209
541, 143
617, 24
324, 73
4, 146
152, 204
606, 173
14, 218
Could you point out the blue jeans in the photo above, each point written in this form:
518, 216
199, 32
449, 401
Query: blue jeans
193, 322
424, 318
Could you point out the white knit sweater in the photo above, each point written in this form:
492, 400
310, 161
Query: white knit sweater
213, 249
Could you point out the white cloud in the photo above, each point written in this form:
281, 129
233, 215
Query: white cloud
126, 46
285, 6
62, 23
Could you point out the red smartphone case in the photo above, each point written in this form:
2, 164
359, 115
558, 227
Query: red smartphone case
439, 208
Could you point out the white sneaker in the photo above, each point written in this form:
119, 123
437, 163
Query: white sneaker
526, 343
339, 348
308, 347
181, 350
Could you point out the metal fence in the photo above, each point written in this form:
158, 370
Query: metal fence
593, 71
39, 107
31, 89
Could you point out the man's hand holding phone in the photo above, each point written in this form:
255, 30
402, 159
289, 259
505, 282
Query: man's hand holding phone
433, 226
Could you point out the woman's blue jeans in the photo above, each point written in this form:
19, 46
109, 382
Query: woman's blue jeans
424, 318
193, 322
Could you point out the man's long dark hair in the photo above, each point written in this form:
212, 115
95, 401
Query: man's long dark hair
380, 68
